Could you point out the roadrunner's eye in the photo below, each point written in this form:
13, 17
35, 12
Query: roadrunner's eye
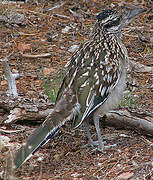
105, 14
112, 22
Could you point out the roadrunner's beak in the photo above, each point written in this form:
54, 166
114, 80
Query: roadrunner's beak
135, 12
129, 14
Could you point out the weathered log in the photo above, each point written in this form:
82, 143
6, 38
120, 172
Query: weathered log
139, 121
19, 109
23, 109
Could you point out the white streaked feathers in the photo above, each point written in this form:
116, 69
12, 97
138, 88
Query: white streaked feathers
86, 73
84, 84
103, 91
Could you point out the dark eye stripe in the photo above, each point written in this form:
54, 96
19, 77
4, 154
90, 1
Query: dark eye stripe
113, 22
104, 14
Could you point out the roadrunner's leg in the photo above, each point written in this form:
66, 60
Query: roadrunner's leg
101, 147
91, 142
100, 139
100, 144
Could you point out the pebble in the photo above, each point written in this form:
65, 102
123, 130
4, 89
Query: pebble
73, 48
66, 29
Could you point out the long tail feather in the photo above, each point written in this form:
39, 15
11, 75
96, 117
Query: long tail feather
40, 137
63, 111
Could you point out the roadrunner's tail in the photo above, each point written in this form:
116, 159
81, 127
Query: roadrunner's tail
64, 110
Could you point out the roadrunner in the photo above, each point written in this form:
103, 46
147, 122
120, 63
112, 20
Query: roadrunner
94, 82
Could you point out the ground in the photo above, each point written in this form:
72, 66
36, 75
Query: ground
66, 156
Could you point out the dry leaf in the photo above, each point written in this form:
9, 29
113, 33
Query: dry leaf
125, 176
48, 71
4, 83
23, 47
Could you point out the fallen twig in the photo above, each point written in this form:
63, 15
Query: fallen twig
37, 55
10, 131
61, 16
55, 7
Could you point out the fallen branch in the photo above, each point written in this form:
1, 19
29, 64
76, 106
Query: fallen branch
137, 67
127, 119
23, 109
19, 110
10, 78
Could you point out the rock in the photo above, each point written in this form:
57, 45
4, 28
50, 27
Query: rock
4, 143
4, 139
125, 176
66, 29
73, 48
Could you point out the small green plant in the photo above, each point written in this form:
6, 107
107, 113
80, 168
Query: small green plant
127, 101
52, 86
149, 48
83, 41
5, 11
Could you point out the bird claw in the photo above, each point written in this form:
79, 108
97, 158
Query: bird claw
96, 147
101, 147
96, 143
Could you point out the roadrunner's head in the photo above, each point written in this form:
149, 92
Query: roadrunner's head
113, 20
